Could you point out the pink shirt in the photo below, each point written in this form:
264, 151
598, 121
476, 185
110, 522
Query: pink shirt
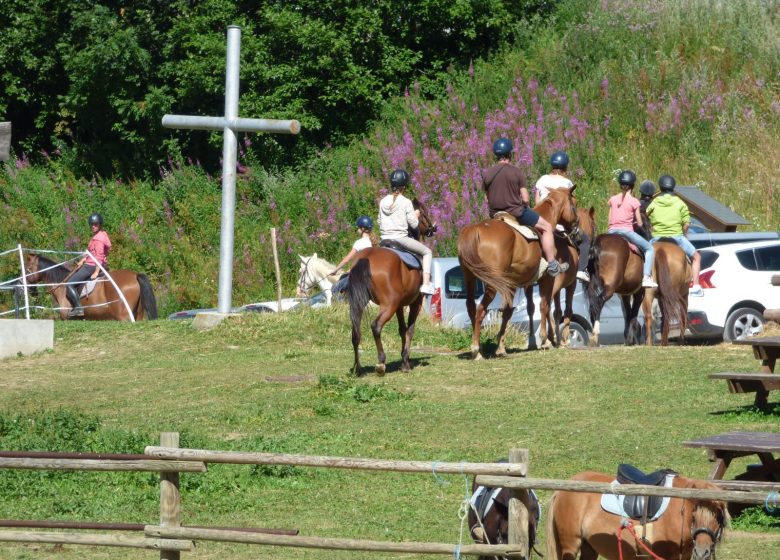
99, 246
622, 211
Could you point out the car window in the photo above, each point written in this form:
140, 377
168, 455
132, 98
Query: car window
454, 286
708, 258
747, 259
768, 258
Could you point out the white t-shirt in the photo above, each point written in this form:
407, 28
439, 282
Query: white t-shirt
549, 182
362, 243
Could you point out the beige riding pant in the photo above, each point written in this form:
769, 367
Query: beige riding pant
418, 249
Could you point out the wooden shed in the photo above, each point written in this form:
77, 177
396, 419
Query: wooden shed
711, 213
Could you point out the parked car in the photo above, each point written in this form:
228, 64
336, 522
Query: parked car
259, 307
737, 283
703, 239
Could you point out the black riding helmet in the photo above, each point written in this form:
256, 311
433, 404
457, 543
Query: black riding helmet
627, 178
666, 183
647, 188
502, 147
95, 219
399, 179
559, 160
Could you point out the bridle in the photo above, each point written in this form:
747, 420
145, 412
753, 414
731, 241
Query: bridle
714, 536
306, 281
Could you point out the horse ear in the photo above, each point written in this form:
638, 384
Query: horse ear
592, 211
303, 259
573, 188
314, 256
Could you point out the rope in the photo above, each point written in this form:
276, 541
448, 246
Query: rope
771, 502
628, 524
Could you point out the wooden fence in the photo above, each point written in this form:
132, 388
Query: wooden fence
171, 538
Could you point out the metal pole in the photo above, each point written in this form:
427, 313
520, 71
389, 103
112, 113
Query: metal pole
24, 282
229, 149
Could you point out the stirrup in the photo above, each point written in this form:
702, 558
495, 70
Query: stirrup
76, 312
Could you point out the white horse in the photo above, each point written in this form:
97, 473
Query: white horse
315, 270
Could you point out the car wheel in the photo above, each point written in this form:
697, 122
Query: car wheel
578, 336
742, 323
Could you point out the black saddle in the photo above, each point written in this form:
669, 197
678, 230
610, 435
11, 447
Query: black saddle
641, 507
409, 258
671, 240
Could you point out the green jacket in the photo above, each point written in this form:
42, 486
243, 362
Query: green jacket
668, 214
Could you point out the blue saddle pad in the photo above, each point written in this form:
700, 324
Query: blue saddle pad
409, 259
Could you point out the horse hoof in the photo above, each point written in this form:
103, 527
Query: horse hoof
380, 369
475, 355
501, 354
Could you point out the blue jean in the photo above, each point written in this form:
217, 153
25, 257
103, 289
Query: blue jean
642, 243
683, 242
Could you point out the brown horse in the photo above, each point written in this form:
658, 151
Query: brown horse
382, 277
504, 260
104, 302
568, 253
672, 272
615, 269
576, 523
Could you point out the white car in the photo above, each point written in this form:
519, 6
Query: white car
737, 284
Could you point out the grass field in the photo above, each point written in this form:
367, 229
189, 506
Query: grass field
279, 383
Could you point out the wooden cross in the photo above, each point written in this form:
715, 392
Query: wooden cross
230, 124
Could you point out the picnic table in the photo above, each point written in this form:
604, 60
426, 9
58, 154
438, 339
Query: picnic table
766, 349
723, 448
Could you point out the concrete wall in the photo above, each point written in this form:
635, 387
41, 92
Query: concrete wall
27, 337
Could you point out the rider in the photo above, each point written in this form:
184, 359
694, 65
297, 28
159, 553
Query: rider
670, 217
98, 247
647, 191
623, 213
506, 191
364, 225
557, 179
396, 216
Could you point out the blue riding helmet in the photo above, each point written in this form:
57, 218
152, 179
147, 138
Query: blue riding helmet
666, 183
95, 219
502, 147
365, 222
647, 188
399, 179
627, 177
559, 160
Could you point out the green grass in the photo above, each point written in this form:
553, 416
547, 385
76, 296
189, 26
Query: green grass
280, 383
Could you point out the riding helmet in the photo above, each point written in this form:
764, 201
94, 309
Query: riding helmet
502, 147
627, 177
365, 222
666, 183
647, 188
95, 219
399, 179
559, 160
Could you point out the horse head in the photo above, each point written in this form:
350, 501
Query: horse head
305, 276
426, 226
560, 207
709, 519
32, 269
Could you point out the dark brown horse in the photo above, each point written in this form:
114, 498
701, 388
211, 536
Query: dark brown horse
382, 277
503, 259
576, 524
615, 269
672, 272
103, 302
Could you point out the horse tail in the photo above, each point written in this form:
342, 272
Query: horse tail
670, 301
553, 547
597, 294
468, 254
147, 297
358, 293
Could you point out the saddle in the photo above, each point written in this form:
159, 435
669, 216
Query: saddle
88, 286
527, 232
640, 508
410, 259
672, 240
486, 501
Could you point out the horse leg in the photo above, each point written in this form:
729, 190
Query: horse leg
385, 313
399, 315
479, 316
545, 291
506, 314
633, 323
414, 311
530, 308
647, 309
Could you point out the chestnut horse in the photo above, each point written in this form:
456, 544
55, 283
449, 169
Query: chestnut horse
672, 272
503, 259
615, 269
103, 302
565, 281
576, 523
382, 277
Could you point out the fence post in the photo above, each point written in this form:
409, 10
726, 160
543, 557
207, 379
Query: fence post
170, 498
518, 510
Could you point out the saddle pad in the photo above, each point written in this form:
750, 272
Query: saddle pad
613, 503
87, 287
409, 259
512, 222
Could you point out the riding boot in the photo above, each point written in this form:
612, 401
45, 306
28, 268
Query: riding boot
75, 301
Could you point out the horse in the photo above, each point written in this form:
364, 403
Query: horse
381, 276
565, 281
615, 269
503, 259
672, 273
689, 528
103, 302
316, 271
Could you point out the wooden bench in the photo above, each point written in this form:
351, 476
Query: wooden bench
766, 349
723, 448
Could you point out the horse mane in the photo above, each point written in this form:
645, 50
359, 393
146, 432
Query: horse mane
708, 510
56, 274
